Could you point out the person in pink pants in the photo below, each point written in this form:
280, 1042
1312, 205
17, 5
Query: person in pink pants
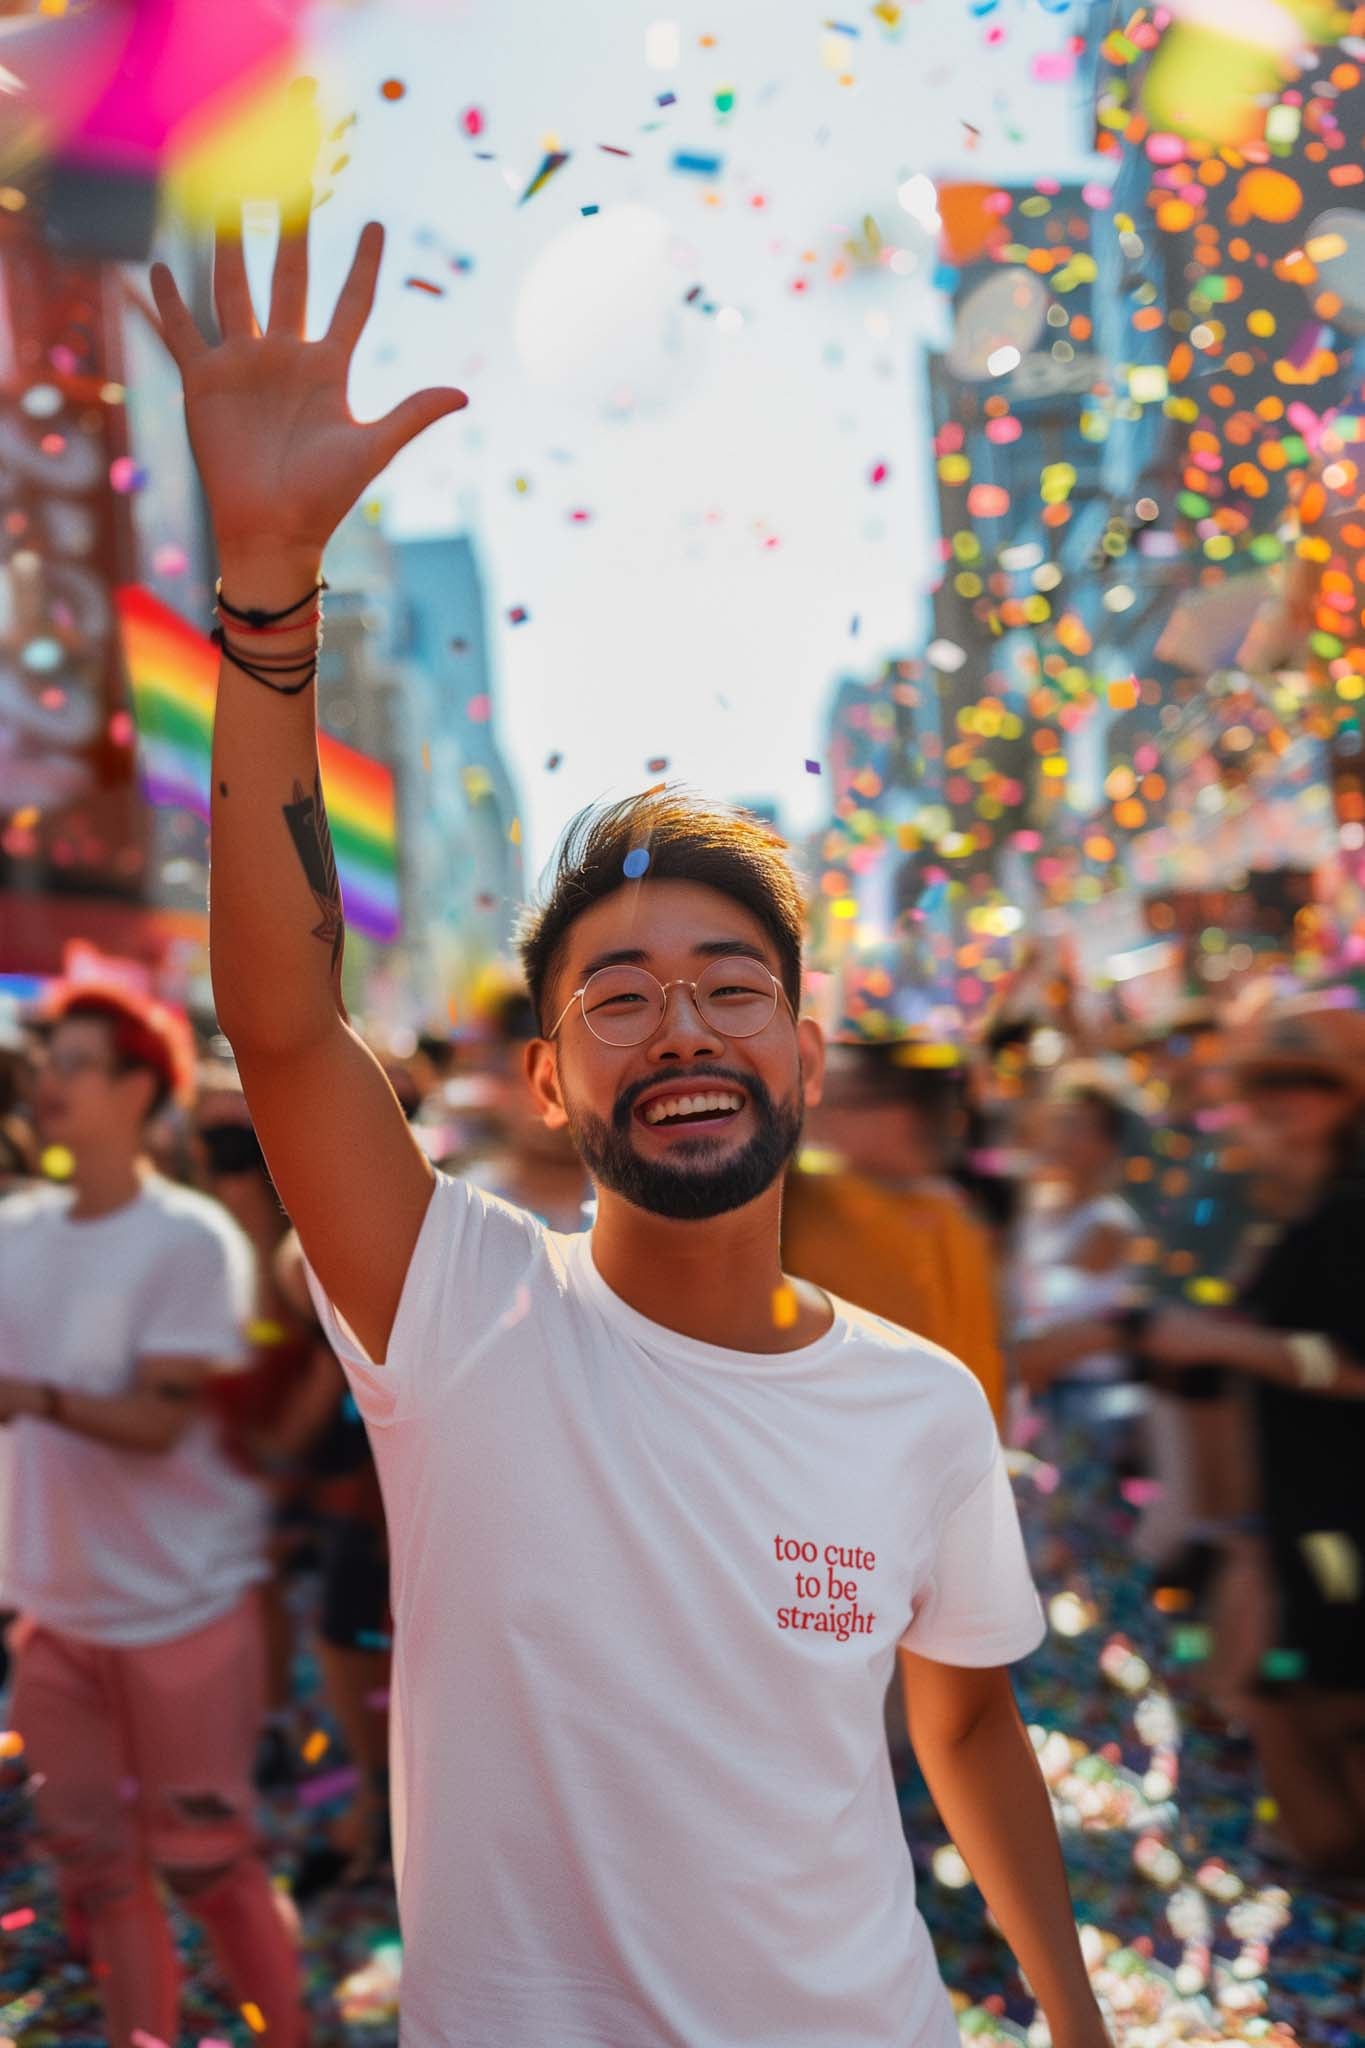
132, 1548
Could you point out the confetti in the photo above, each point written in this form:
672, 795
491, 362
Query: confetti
553, 161
635, 862
696, 163
663, 45
786, 1307
518, 615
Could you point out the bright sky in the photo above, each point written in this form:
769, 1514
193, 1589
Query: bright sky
665, 623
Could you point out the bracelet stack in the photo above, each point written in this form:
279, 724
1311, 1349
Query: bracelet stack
257, 626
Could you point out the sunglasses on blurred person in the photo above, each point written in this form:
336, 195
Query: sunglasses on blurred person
1290, 1080
230, 1148
68, 1061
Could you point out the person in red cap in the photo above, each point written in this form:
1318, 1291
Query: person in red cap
1295, 1347
131, 1545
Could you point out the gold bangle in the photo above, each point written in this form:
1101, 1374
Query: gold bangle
1315, 1360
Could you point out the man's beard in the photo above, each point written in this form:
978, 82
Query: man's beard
692, 1193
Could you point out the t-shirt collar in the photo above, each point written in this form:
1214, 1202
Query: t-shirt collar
659, 1339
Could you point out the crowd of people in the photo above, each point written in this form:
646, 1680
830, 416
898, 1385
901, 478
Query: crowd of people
1143, 1249
307, 1356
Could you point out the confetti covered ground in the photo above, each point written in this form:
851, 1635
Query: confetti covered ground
1202, 1939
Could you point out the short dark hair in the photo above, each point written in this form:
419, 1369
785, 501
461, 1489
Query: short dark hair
1105, 1110
686, 839
885, 1070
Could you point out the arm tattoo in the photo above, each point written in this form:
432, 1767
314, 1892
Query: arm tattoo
306, 818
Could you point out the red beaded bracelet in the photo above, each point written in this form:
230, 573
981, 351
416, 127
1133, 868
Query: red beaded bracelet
261, 632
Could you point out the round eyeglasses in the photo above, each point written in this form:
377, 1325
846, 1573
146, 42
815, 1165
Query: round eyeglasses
69, 1062
735, 997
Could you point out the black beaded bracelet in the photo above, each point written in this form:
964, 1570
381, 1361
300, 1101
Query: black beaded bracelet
256, 617
305, 670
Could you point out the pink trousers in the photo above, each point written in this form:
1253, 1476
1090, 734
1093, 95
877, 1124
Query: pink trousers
140, 1763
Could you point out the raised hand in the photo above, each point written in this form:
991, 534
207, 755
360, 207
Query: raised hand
280, 457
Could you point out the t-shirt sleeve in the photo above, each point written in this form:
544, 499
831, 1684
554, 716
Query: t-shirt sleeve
1113, 1213
978, 1604
203, 1295
472, 1257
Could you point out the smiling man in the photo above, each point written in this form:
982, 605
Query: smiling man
632, 1809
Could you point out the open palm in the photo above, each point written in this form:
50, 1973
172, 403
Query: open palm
280, 457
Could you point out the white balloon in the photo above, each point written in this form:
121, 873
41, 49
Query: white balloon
602, 319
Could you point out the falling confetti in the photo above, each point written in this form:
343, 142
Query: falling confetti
785, 1307
553, 161
695, 163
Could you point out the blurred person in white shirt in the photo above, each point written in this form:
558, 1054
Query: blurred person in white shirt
131, 1546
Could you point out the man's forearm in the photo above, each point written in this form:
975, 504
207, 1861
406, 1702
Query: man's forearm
275, 924
992, 1799
1039, 1359
130, 1422
1269, 1355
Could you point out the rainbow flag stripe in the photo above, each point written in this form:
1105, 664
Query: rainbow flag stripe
174, 675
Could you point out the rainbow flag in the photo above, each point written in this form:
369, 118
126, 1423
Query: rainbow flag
174, 675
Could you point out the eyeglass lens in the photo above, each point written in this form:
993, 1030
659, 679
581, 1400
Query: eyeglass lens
735, 997
68, 1063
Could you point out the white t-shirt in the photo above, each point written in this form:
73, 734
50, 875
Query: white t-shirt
1051, 1290
112, 1545
642, 1795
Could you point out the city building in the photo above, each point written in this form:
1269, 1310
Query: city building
74, 840
465, 833
1226, 350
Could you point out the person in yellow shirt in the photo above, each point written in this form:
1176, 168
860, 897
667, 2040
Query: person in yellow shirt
870, 1215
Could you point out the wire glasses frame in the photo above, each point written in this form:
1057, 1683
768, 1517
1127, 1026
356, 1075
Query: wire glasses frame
631, 1003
